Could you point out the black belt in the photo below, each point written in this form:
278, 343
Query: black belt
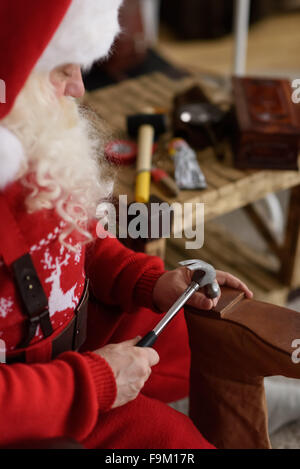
72, 337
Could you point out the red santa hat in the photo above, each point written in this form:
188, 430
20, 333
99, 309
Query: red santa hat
43, 35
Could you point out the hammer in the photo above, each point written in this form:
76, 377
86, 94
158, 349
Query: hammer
204, 276
147, 127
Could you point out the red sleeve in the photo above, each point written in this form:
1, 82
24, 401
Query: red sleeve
60, 398
120, 276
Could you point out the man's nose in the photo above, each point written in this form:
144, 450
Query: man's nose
75, 86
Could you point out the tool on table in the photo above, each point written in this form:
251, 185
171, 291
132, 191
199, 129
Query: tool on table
162, 177
199, 121
204, 116
147, 127
123, 152
265, 130
188, 174
204, 276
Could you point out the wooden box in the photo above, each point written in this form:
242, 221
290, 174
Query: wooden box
267, 124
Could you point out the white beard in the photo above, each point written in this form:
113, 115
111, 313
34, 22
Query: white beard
64, 166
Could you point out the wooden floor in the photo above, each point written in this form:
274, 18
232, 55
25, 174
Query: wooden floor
274, 47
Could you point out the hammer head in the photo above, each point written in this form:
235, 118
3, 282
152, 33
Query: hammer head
157, 121
204, 275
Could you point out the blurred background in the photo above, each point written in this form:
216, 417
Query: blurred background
207, 27
193, 35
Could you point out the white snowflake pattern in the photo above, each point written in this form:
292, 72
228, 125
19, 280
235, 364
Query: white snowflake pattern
6, 305
78, 253
46, 241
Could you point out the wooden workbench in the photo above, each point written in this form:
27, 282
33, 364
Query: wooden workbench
228, 189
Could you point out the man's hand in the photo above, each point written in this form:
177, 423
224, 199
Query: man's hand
172, 284
131, 366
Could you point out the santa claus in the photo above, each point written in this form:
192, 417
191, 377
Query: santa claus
110, 394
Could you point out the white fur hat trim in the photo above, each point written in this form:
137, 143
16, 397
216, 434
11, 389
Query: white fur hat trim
85, 35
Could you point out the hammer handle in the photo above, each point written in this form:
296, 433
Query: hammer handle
145, 150
148, 340
144, 163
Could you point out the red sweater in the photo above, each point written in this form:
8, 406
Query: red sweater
64, 397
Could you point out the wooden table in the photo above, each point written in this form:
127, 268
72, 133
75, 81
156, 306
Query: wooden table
228, 189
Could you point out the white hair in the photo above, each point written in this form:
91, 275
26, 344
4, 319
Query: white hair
64, 167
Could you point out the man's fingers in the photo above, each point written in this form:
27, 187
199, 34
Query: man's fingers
152, 356
216, 300
132, 341
230, 281
200, 301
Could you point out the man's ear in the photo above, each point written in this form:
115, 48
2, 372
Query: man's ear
11, 157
